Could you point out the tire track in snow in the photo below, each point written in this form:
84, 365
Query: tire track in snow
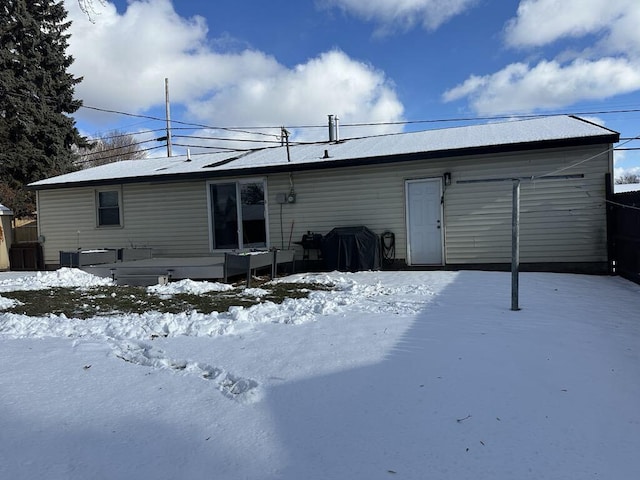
234, 387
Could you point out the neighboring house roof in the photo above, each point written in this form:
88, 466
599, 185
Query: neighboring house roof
626, 187
511, 136
5, 210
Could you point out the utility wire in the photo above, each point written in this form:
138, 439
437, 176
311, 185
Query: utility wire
630, 139
245, 129
622, 205
119, 147
149, 117
588, 159
197, 137
212, 147
459, 119
122, 134
90, 160
407, 122
371, 124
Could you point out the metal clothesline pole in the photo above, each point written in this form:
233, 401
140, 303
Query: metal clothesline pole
515, 225
515, 245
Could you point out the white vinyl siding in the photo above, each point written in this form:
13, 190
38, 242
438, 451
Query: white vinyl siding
353, 196
561, 220
170, 218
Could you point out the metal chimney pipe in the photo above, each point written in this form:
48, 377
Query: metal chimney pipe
336, 125
332, 137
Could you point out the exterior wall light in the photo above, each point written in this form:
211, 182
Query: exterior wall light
447, 178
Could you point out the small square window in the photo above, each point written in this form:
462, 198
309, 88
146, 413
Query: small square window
109, 208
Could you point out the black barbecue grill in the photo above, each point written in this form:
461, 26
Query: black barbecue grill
311, 241
351, 249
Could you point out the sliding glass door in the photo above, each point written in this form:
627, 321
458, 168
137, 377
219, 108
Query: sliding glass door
238, 217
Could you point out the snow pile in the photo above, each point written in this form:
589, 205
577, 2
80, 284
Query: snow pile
6, 303
255, 292
64, 277
349, 294
188, 286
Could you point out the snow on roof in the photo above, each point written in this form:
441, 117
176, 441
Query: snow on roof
5, 210
555, 128
626, 187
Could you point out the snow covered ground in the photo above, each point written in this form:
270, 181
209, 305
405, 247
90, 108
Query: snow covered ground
408, 375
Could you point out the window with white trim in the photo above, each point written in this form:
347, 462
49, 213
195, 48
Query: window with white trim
108, 208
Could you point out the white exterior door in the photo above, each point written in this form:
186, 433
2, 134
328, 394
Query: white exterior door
424, 222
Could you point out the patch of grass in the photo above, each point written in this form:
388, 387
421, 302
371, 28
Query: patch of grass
113, 300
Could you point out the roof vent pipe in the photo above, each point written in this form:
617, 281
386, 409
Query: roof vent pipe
332, 133
336, 125
188, 155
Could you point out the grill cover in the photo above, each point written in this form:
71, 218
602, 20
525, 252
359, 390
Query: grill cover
351, 249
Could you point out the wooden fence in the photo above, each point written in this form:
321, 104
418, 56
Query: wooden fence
25, 231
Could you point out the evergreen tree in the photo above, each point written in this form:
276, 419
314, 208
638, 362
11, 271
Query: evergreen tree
36, 98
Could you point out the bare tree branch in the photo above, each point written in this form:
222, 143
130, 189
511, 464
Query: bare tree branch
108, 148
88, 7
628, 178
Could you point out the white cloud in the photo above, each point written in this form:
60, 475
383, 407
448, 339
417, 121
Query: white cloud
125, 57
619, 157
547, 85
625, 163
405, 14
607, 65
619, 171
623, 35
330, 83
541, 22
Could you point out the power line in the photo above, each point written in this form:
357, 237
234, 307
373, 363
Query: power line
241, 140
212, 147
121, 134
588, 159
116, 133
245, 129
84, 161
119, 147
226, 139
150, 117
368, 124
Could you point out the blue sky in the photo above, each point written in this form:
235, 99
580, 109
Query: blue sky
374, 62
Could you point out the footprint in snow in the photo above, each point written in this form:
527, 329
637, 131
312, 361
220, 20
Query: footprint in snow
240, 389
